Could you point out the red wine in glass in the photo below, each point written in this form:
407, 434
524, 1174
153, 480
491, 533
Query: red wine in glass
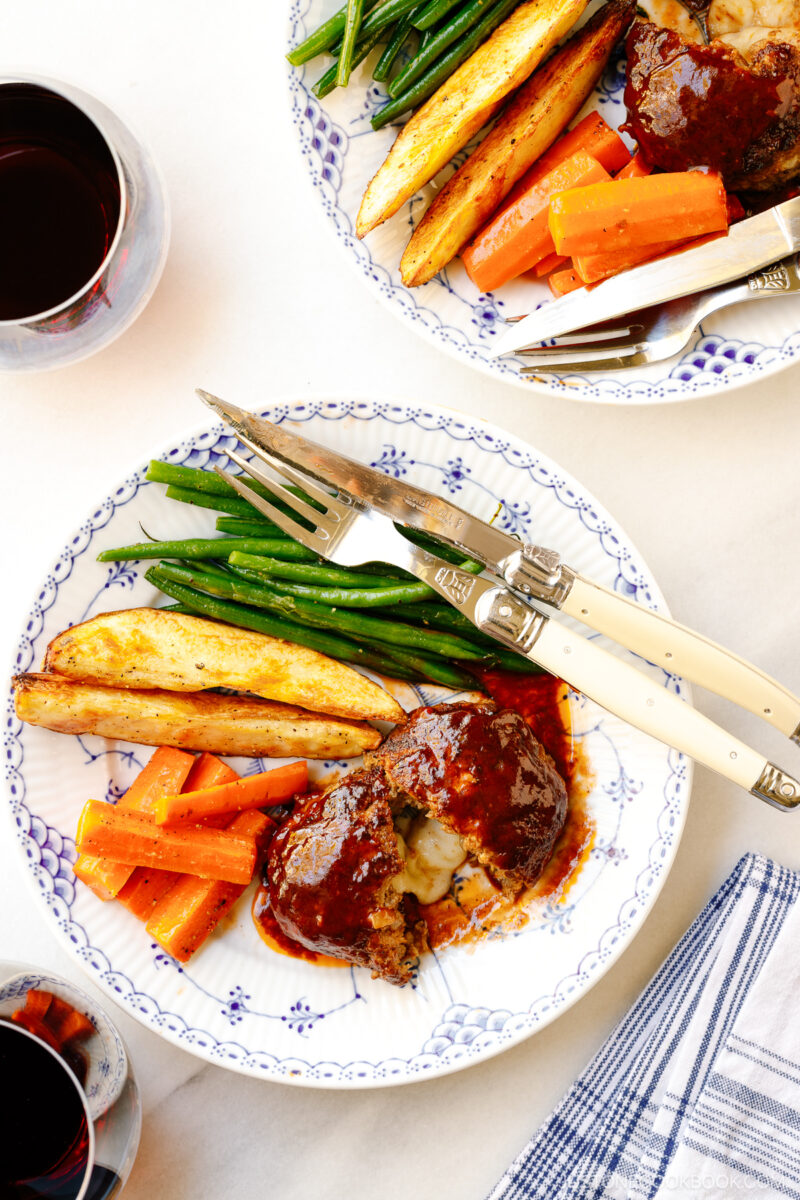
45, 1146
60, 200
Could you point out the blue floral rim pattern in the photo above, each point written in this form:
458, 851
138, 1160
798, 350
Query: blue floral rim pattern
463, 1033
711, 363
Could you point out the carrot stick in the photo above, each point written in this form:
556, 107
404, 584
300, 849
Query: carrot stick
562, 282
207, 771
518, 237
66, 1023
592, 134
134, 838
594, 267
58, 1010
145, 888
166, 771
37, 1003
253, 791
551, 263
636, 168
192, 909
147, 885
626, 213
600, 266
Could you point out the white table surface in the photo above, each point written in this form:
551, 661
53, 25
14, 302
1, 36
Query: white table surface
709, 491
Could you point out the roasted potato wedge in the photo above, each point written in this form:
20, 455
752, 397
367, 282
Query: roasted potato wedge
535, 117
198, 721
150, 648
462, 105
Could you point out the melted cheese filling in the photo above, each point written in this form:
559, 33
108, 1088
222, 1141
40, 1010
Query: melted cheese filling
431, 854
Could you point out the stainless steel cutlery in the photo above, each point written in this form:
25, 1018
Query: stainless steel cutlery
357, 525
657, 333
749, 246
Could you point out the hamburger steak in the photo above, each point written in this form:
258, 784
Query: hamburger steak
733, 105
484, 776
348, 869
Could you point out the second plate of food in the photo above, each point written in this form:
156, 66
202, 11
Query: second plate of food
497, 970
342, 153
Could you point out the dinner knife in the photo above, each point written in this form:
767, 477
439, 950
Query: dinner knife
343, 530
535, 571
750, 244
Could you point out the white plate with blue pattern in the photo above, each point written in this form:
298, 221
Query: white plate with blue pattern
341, 153
245, 1007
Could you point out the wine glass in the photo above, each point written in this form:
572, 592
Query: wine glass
84, 224
108, 1089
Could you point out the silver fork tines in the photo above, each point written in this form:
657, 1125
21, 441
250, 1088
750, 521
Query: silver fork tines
300, 506
311, 538
660, 332
566, 354
299, 478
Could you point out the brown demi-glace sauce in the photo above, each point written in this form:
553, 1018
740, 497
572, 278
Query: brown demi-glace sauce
680, 98
477, 906
268, 928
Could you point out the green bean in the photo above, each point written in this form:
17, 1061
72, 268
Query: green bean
338, 597
252, 618
322, 617
247, 518
449, 619
441, 616
352, 25
437, 670
236, 505
244, 527
327, 82
201, 548
429, 50
444, 67
381, 20
433, 545
236, 525
198, 479
386, 14
400, 35
210, 567
329, 574
509, 660
335, 595
338, 594
323, 38
433, 13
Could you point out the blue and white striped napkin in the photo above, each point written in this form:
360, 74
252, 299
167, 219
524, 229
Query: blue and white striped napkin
696, 1093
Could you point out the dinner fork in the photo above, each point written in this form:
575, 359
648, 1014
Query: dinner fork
347, 532
658, 333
